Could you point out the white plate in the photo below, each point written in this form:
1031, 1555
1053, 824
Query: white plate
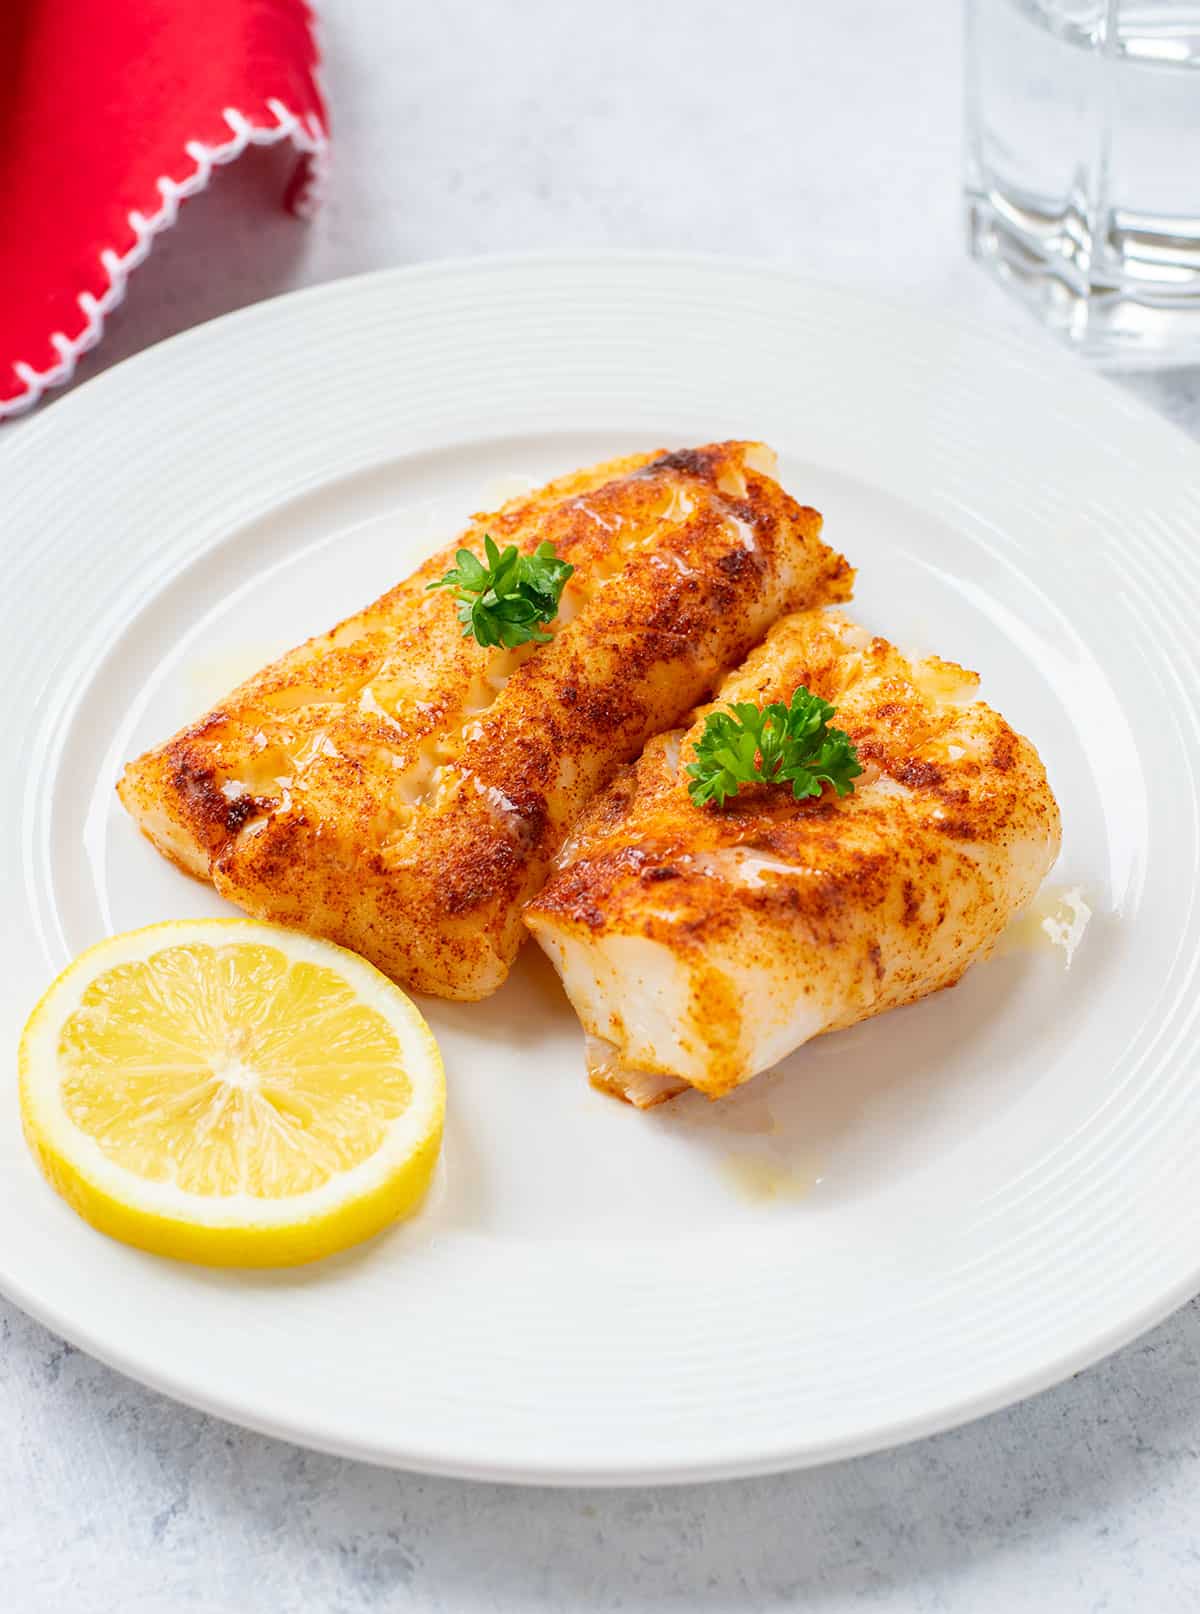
960, 1203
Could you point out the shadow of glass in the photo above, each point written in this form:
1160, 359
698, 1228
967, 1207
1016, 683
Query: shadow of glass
1173, 392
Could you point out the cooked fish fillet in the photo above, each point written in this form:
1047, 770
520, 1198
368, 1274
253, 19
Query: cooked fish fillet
699, 945
400, 789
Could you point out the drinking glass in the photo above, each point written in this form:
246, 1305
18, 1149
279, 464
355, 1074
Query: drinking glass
1083, 168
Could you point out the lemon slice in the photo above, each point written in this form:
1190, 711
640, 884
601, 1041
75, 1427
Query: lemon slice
232, 1093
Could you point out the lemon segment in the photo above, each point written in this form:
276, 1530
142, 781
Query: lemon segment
232, 1093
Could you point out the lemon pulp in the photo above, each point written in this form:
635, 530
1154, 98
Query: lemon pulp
269, 1096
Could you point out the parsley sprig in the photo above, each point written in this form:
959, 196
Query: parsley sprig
506, 601
773, 744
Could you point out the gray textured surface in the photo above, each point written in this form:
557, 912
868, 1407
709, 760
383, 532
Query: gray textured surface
801, 136
1084, 1499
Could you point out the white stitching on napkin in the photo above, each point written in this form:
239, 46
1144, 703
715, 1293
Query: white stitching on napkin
306, 135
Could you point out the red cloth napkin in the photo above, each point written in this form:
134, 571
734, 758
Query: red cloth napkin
110, 116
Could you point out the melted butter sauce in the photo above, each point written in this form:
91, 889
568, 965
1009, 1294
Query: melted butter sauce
503, 488
753, 1154
210, 677
761, 1178
1055, 922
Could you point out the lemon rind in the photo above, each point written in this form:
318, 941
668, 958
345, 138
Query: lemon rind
236, 1229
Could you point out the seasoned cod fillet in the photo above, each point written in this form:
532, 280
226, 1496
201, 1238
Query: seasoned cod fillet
699, 945
402, 790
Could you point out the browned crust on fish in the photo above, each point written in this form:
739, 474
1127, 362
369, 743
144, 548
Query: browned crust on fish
897, 888
402, 790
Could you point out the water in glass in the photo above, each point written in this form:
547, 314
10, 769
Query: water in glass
1083, 167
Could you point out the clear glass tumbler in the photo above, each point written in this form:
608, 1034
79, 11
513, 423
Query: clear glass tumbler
1083, 168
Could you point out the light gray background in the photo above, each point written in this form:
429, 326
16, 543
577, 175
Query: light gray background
826, 137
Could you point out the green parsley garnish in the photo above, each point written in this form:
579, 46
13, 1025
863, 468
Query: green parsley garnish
774, 744
505, 601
